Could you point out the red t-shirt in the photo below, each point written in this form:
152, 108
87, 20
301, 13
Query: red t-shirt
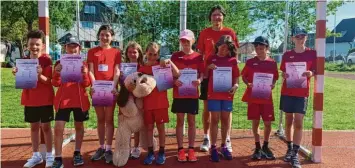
104, 61
43, 94
208, 37
263, 66
310, 57
221, 62
190, 61
156, 99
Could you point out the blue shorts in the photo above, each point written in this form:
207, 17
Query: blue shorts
220, 105
292, 104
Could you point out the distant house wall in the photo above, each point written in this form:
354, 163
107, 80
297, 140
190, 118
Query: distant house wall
340, 49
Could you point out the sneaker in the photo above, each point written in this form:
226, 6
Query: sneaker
78, 159
108, 157
57, 164
294, 161
149, 159
288, 155
256, 155
267, 153
191, 156
226, 154
99, 154
161, 158
205, 145
214, 155
229, 145
49, 161
181, 156
33, 161
135, 153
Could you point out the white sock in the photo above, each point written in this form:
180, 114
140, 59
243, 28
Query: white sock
37, 154
108, 147
206, 136
102, 146
49, 154
228, 138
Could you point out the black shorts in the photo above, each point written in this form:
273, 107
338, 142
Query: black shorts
204, 89
41, 114
189, 106
293, 104
64, 115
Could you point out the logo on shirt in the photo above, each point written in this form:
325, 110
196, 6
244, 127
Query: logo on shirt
180, 57
97, 54
292, 57
214, 60
255, 64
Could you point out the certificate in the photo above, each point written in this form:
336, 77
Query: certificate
186, 77
127, 69
27, 75
295, 78
103, 93
71, 68
262, 85
163, 76
222, 79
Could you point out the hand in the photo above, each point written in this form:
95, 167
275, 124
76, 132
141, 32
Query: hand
14, 70
114, 92
272, 86
196, 82
178, 83
92, 91
212, 66
39, 70
234, 89
131, 87
285, 75
164, 63
250, 85
84, 70
307, 74
58, 68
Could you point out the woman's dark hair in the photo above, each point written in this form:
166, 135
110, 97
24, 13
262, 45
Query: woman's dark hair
214, 8
105, 27
36, 34
226, 39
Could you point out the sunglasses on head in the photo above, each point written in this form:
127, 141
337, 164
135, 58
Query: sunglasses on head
300, 36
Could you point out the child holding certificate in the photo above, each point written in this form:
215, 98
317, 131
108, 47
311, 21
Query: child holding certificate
39, 111
223, 73
104, 65
297, 66
156, 104
260, 74
71, 96
190, 64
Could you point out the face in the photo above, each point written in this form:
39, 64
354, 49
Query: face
35, 46
260, 49
223, 50
217, 17
72, 49
299, 40
105, 37
152, 54
132, 54
186, 44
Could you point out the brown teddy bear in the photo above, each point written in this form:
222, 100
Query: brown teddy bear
131, 118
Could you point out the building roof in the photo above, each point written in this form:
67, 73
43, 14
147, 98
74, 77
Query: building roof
347, 29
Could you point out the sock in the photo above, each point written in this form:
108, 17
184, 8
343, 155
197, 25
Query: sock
289, 144
257, 145
206, 136
102, 146
150, 150
162, 149
228, 139
76, 152
191, 147
58, 158
49, 154
296, 148
180, 148
108, 147
266, 144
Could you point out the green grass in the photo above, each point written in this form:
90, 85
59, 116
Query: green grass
339, 111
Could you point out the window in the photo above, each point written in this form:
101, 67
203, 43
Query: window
89, 9
87, 44
87, 25
115, 43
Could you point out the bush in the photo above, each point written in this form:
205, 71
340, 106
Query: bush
339, 67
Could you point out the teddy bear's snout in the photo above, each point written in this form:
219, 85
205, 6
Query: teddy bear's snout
144, 80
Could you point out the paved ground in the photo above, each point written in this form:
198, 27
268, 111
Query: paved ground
338, 152
348, 75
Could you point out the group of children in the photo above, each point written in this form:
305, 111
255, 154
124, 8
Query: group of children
103, 63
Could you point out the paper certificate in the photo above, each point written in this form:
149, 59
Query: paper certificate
295, 78
186, 77
222, 79
71, 68
127, 69
163, 76
102, 95
262, 85
27, 75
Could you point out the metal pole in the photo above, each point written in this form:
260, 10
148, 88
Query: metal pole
335, 19
183, 18
78, 19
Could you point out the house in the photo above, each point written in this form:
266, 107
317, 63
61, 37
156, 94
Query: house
92, 15
346, 41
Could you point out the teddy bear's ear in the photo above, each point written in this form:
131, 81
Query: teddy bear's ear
140, 74
123, 96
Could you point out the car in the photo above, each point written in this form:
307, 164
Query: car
351, 58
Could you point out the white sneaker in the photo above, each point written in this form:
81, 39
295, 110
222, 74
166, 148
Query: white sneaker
33, 161
205, 146
49, 161
135, 153
229, 145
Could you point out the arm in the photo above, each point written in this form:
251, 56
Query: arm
116, 78
91, 72
45, 75
86, 79
175, 70
56, 80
